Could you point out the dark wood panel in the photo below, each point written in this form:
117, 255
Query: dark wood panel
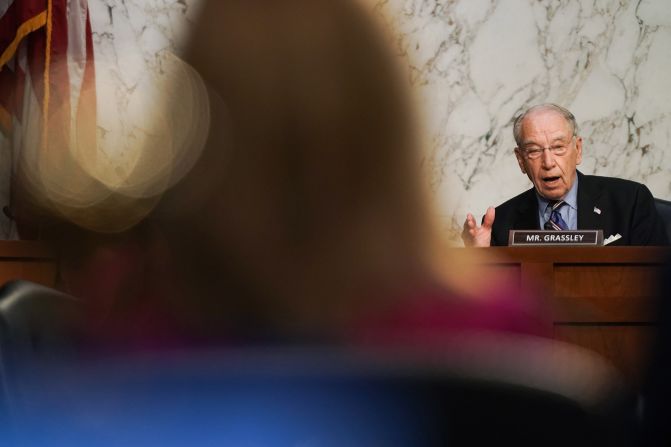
40, 271
604, 292
25, 249
600, 297
600, 309
627, 347
27, 260
614, 280
589, 255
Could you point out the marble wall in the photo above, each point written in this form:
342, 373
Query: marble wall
479, 62
133, 41
475, 63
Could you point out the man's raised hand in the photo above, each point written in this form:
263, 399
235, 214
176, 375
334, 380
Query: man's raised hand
478, 236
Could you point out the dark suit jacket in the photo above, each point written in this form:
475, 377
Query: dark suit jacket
627, 208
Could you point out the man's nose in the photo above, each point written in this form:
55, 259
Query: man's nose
547, 158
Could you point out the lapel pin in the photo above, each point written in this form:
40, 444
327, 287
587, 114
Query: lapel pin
597, 210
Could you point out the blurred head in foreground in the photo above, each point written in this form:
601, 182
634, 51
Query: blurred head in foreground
304, 214
307, 196
307, 193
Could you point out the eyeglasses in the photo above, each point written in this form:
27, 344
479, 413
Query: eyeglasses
558, 150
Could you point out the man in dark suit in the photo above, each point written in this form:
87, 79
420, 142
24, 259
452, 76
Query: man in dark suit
548, 152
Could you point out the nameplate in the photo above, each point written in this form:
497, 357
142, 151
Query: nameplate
518, 238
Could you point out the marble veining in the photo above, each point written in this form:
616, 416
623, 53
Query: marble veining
132, 39
476, 64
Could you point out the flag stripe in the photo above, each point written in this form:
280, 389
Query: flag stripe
47, 64
7, 103
7, 79
19, 85
5, 121
57, 82
27, 27
46, 52
35, 60
18, 12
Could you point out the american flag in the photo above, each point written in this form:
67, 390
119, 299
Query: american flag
47, 83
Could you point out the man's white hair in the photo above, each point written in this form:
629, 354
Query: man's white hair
568, 116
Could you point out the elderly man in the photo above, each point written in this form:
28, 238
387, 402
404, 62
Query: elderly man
548, 151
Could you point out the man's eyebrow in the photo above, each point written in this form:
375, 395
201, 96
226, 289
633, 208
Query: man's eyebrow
554, 140
560, 139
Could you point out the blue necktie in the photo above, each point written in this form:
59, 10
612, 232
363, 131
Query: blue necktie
556, 222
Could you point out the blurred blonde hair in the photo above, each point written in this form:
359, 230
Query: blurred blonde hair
308, 193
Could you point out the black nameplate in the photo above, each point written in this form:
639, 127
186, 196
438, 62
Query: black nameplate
518, 238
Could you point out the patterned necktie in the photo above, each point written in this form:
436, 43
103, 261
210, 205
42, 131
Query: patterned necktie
556, 222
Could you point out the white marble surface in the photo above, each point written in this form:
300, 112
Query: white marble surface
475, 63
479, 62
132, 40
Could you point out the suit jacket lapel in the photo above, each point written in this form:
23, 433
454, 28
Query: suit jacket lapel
588, 200
527, 212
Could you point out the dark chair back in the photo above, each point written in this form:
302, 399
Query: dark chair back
36, 320
664, 210
38, 325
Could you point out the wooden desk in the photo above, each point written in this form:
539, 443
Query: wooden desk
27, 260
600, 297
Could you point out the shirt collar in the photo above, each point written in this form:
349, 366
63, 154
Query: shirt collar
571, 198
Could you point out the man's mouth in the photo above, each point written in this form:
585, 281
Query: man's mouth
551, 180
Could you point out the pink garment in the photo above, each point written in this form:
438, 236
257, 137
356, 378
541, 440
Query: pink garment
123, 301
129, 306
432, 315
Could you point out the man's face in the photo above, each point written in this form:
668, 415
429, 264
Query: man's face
551, 171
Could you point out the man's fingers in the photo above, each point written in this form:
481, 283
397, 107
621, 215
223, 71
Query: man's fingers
469, 222
468, 235
488, 220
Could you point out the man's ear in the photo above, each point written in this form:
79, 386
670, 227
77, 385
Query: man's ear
520, 159
578, 147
